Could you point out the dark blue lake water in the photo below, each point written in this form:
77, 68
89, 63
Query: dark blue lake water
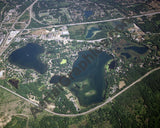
112, 65
127, 55
55, 79
28, 57
140, 50
87, 14
93, 71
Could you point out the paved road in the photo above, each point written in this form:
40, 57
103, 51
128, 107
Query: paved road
89, 41
93, 109
74, 24
30, 9
4, 46
16, 94
101, 21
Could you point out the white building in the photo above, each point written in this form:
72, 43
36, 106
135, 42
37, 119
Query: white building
65, 32
1, 73
11, 36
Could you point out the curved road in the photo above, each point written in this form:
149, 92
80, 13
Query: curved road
5, 46
93, 109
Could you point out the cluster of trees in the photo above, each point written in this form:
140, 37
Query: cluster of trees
63, 105
137, 8
35, 24
17, 122
54, 7
2, 4
150, 25
14, 3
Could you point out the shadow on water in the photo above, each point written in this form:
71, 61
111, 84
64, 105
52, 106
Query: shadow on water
28, 57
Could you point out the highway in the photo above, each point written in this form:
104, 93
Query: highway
16, 94
110, 20
4, 46
100, 21
91, 110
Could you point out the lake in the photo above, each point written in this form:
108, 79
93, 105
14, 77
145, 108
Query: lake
140, 50
112, 65
88, 81
55, 79
27, 57
87, 14
127, 55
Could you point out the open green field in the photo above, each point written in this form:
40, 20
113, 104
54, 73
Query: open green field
24, 17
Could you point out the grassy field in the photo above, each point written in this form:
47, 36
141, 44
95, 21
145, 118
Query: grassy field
77, 32
11, 105
64, 61
24, 17
80, 32
35, 24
